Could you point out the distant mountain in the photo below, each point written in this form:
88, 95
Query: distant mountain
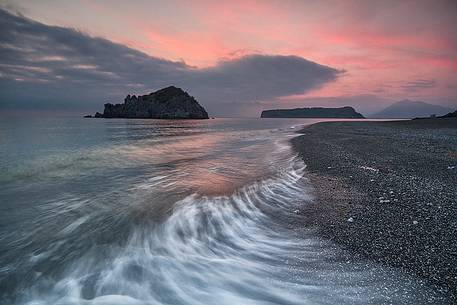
449, 115
314, 112
410, 109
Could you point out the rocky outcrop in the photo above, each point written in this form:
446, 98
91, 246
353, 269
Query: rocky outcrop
314, 112
167, 103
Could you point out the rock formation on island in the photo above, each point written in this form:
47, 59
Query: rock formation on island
167, 103
313, 112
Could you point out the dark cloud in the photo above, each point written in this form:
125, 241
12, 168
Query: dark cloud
419, 84
49, 67
257, 77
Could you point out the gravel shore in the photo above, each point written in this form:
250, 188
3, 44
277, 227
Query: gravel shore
387, 191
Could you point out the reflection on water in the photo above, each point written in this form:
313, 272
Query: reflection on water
169, 212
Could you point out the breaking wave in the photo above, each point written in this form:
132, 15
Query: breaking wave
209, 217
236, 249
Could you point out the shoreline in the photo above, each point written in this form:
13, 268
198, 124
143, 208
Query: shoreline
386, 191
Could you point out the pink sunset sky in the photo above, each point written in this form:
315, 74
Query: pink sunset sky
385, 50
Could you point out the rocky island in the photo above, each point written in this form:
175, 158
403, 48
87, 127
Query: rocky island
314, 112
167, 103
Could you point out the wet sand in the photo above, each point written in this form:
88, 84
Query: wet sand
387, 191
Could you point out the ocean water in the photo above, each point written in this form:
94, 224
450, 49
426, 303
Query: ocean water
96, 211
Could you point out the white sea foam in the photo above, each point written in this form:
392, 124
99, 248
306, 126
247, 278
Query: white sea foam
227, 250
175, 213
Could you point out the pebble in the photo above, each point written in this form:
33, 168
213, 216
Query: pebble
418, 182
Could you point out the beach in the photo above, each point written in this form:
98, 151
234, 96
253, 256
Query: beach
387, 191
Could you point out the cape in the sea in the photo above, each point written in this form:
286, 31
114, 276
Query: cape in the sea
314, 112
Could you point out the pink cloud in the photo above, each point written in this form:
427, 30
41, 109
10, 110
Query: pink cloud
381, 44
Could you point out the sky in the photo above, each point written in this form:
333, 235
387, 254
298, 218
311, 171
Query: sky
236, 57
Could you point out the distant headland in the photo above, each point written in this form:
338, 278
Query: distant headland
314, 112
167, 103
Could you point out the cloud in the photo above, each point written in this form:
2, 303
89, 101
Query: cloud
50, 67
419, 84
258, 77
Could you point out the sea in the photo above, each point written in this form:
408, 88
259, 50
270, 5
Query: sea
118, 211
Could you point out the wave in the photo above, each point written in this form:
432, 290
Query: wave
231, 249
